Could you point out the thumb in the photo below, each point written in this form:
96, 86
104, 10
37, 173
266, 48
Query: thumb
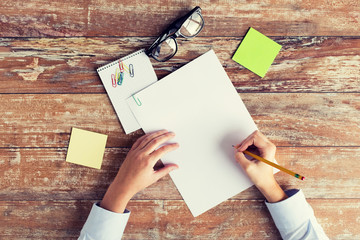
242, 160
165, 171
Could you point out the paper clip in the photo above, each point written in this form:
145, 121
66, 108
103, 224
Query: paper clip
138, 102
121, 78
131, 70
126, 68
113, 80
121, 66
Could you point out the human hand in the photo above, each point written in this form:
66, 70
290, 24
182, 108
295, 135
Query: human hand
137, 172
261, 174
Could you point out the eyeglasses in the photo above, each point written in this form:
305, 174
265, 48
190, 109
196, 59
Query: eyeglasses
188, 26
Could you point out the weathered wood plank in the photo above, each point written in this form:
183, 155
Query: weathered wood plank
42, 219
290, 119
37, 18
234, 219
63, 65
43, 174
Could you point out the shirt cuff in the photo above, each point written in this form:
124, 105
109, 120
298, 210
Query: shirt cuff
291, 212
104, 224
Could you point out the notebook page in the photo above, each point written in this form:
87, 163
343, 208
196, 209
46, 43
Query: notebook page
138, 73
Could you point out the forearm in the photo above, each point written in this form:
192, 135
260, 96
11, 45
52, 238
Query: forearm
295, 218
115, 199
272, 191
104, 224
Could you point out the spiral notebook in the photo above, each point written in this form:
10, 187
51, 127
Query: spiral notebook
123, 78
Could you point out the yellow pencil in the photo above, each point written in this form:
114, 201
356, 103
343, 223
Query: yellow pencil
274, 165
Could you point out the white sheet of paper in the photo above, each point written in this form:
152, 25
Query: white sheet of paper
144, 75
199, 103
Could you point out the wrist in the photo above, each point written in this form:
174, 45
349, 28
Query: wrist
115, 199
273, 192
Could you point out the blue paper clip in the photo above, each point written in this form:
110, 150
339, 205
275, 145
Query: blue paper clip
121, 78
131, 70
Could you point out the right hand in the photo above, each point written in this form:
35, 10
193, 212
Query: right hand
261, 174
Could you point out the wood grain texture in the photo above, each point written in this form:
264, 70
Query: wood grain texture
42, 219
62, 65
290, 119
39, 18
42, 174
170, 219
308, 104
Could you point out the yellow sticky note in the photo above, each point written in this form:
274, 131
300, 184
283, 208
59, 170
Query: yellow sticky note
86, 148
256, 52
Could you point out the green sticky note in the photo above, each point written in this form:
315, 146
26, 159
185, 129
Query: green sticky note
256, 52
86, 148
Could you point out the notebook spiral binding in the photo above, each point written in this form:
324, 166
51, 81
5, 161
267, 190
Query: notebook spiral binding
122, 59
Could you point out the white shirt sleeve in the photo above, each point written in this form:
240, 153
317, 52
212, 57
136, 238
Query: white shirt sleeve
295, 218
104, 224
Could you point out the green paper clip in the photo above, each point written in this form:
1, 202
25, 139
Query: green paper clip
138, 102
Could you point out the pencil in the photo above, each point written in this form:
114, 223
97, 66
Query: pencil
274, 165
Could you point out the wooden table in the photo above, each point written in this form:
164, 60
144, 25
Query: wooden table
308, 104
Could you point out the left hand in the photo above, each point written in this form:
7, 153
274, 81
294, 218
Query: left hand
137, 172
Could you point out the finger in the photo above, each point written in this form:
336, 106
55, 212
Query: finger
257, 139
157, 141
156, 155
242, 160
260, 141
244, 145
246, 139
148, 137
138, 141
165, 171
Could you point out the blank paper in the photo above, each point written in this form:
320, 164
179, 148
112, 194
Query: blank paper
201, 106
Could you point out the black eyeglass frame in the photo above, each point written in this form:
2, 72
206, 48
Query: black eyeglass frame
173, 31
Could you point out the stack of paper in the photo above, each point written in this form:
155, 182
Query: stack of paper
201, 106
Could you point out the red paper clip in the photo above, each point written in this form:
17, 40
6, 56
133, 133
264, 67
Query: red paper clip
121, 66
113, 80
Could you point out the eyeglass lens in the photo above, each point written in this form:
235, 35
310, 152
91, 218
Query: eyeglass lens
192, 25
190, 28
165, 50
